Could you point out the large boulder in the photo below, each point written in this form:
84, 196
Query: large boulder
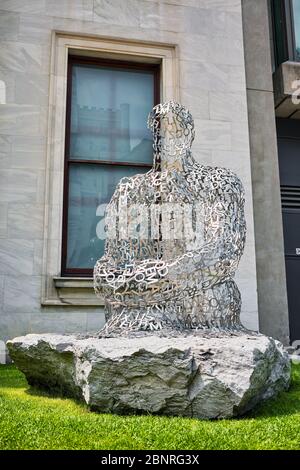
217, 375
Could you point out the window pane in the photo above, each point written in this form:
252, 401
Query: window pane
296, 8
90, 186
109, 110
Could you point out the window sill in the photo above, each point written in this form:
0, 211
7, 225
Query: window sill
284, 79
77, 291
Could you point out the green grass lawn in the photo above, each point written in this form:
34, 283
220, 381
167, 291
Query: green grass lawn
31, 419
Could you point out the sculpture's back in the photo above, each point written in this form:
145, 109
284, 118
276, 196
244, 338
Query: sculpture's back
175, 237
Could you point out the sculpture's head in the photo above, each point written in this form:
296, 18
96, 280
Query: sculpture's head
172, 126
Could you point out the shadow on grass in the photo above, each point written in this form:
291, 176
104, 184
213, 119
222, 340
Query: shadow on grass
53, 393
11, 377
285, 403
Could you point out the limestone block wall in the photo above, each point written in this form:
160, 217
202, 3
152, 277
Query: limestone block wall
211, 74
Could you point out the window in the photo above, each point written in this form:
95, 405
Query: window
286, 30
106, 139
61, 284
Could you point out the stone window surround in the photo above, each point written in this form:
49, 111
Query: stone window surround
57, 290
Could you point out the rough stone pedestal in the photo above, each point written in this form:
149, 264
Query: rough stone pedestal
199, 375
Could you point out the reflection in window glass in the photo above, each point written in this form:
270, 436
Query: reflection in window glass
296, 8
90, 186
109, 114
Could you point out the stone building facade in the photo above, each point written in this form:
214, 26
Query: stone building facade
214, 57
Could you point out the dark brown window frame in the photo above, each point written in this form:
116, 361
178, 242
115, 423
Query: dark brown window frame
75, 60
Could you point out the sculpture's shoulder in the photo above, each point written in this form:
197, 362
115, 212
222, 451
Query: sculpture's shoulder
131, 187
128, 183
221, 180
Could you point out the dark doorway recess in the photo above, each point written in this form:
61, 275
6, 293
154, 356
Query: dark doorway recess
288, 132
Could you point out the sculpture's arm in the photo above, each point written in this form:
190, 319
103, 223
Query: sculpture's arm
213, 262
216, 260
123, 254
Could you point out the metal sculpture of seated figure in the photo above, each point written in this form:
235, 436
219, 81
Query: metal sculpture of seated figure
175, 236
